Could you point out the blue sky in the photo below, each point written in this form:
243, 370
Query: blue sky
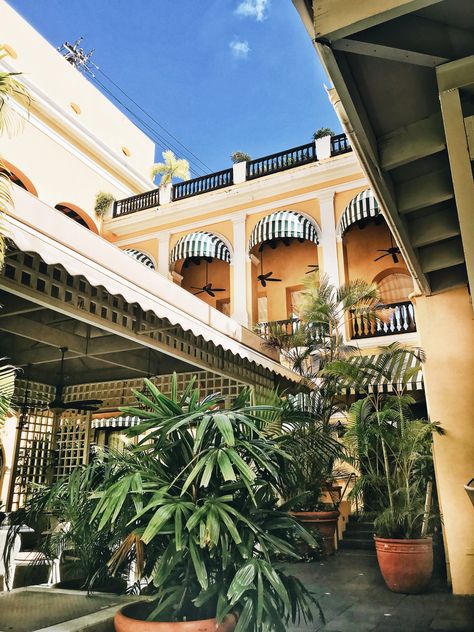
220, 75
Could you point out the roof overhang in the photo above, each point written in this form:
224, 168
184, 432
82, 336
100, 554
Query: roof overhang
403, 76
60, 240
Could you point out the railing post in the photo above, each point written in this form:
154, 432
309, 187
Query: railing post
323, 147
240, 172
165, 193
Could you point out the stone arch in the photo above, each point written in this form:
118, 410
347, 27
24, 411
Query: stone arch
78, 215
18, 177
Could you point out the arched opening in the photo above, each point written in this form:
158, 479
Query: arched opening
142, 257
202, 260
395, 285
18, 177
78, 215
368, 245
283, 248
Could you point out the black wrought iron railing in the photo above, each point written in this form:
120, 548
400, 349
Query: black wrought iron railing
213, 181
392, 319
282, 160
136, 203
340, 145
257, 168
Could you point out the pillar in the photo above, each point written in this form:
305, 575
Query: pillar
445, 324
328, 237
239, 272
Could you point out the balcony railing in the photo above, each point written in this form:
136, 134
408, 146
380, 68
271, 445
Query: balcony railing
278, 327
137, 203
213, 181
257, 168
282, 160
340, 145
395, 318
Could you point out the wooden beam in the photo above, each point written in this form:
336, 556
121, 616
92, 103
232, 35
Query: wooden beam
412, 142
11, 305
426, 190
450, 78
391, 53
28, 328
334, 19
436, 226
444, 254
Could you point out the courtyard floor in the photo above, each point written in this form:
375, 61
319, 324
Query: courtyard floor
354, 598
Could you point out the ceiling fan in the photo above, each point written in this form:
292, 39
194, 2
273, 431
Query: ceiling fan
207, 287
58, 404
196, 261
265, 278
313, 268
393, 251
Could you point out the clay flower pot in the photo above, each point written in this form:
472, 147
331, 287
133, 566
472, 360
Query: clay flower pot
324, 521
406, 565
124, 621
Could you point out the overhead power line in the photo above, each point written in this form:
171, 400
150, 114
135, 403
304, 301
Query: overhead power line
82, 61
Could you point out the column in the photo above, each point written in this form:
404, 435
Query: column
239, 272
164, 254
328, 240
446, 329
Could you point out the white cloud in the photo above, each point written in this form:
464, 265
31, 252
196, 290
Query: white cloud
240, 49
254, 9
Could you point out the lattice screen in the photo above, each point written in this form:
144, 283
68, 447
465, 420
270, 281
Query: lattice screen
71, 443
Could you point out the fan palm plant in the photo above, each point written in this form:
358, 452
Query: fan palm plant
170, 168
202, 486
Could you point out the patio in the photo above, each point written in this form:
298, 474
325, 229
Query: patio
354, 598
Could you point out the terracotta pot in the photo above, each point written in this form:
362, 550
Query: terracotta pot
324, 521
124, 622
406, 565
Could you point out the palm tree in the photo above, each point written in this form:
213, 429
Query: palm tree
170, 168
10, 87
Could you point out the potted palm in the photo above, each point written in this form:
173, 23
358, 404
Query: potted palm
317, 342
393, 453
202, 486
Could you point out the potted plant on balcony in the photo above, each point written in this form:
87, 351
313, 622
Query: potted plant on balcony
202, 487
317, 342
393, 454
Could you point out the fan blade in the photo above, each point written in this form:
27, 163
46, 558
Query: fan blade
394, 257
263, 282
382, 256
383, 250
218, 289
197, 293
210, 292
267, 275
274, 280
194, 287
86, 402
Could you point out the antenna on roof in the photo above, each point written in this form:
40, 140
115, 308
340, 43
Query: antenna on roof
77, 57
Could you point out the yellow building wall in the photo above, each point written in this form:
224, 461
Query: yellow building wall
446, 328
149, 247
194, 276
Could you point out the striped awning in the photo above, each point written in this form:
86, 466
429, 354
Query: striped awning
283, 224
200, 244
363, 206
140, 256
121, 421
397, 369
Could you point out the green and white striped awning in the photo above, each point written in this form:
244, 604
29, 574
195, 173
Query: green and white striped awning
397, 369
200, 244
283, 224
363, 206
141, 257
121, 421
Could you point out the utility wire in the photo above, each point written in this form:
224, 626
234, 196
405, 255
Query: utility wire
184, 147
149, 130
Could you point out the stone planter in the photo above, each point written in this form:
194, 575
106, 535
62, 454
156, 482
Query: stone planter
125, 621
324, 521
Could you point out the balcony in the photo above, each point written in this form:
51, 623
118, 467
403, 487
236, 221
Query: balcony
258, 168
395, 318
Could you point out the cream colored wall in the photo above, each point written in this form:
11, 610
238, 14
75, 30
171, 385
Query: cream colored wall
446, 329
62, 84
58, 175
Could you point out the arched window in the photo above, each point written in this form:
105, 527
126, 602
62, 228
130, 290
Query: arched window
17, 177
395, 287
77, 214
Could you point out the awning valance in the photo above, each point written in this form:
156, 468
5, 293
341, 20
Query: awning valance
397, 369
200, 244
283, 224
121, 421
140, 256
363, 206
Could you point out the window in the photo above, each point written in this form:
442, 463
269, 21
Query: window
262, 307
293, 300
395, 288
